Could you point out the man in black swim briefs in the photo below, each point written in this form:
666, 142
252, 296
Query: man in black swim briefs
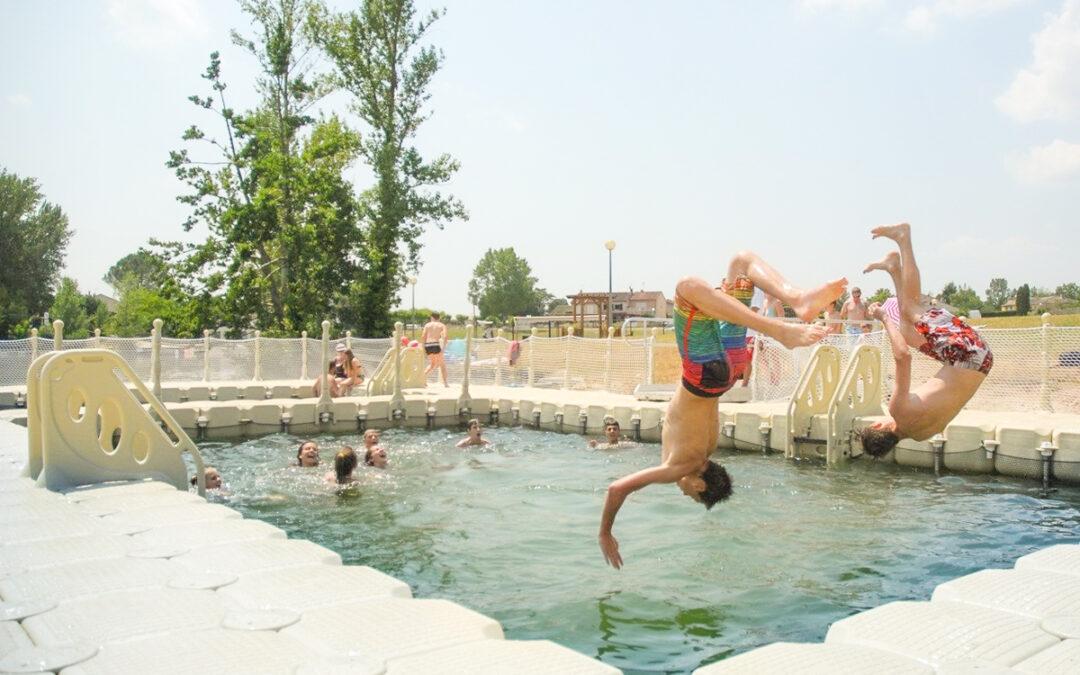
434, 340
710, 331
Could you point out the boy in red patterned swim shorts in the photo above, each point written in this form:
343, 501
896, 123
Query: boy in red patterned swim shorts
926, 410
710, 332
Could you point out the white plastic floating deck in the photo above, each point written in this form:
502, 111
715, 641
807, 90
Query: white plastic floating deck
497, 657
786, 658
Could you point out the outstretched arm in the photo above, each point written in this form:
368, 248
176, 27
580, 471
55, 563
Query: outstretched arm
617, 493
901, 355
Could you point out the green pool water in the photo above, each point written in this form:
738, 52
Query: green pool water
510, 531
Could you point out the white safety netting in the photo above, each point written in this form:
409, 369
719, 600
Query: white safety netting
1035, 369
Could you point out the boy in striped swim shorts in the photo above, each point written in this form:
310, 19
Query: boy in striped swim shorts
710, 331
928, 409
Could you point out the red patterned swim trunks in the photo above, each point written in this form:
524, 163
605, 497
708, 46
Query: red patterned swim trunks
951, 341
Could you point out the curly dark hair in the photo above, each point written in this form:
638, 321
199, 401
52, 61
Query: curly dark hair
877, 442
717, 485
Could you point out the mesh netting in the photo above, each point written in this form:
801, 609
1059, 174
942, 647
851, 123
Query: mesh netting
1034, 368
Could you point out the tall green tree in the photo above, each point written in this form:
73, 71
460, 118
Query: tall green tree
1023, 300
143, 268
69, 306
284, 237
1070, 290
997, 294
880, 295
382, 62
948, 292
503, 286
34, 235
965, 299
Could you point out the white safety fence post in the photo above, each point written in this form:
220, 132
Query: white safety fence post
532, 356
397, 401
1045, 399
97, 338
650, 344
463, 399
58, 335
303, 355
348, 340
33, 344
498, 357
206, 355
609, 365
325, 400
566, 358
155, 356
257, 375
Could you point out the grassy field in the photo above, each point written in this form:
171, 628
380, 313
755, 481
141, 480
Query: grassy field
1030, 321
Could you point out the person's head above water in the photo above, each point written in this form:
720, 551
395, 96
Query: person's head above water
213, 478
474, 428
344, 463
879, 438
612, 431
307, 454
376, 457
708, 486
371, 438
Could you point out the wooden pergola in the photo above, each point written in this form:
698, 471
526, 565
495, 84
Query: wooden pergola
579, 301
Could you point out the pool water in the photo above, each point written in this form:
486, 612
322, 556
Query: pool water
510, 531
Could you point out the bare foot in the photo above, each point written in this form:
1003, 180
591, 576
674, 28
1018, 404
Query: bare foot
890, 263
813, 302
793, 335
894, 232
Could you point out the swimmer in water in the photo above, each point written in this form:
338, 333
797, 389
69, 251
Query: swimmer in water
473, 439
612, 437
212, 476
344, 465
307, 455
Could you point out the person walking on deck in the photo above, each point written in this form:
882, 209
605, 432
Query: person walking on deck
710, 331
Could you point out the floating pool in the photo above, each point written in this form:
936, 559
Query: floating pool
510, 531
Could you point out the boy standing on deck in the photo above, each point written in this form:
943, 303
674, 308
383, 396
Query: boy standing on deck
710, 330
927, 410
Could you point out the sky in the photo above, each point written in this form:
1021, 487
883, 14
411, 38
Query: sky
684, 131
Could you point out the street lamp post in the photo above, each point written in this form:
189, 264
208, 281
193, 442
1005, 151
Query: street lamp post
412, 313
610, 246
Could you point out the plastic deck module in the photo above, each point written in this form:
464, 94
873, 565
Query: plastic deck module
208, 533
388, 628
1063, 558
496, 657
215, 651
303, 588
53, 552
162, 516
123, 615
93, 577
941, 632
1032, 593
786, 658
255, 555
1061, 659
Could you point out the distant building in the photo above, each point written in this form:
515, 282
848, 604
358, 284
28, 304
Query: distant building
592, 306
1009, 305
110, 303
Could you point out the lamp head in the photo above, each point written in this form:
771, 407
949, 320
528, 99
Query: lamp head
610, 244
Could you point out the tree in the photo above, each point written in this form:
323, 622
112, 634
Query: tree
503, 286
380, 61
69, 308
140, 306
1070, 290
1023, 300
880, 295
96, 310
947, 293
143, 268
35, 234
965, 299
997, 294
284, 237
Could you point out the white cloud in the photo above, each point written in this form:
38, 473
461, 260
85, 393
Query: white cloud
19, 100
153, 24
1047, 163
843, 5
1050, 87
925, 18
